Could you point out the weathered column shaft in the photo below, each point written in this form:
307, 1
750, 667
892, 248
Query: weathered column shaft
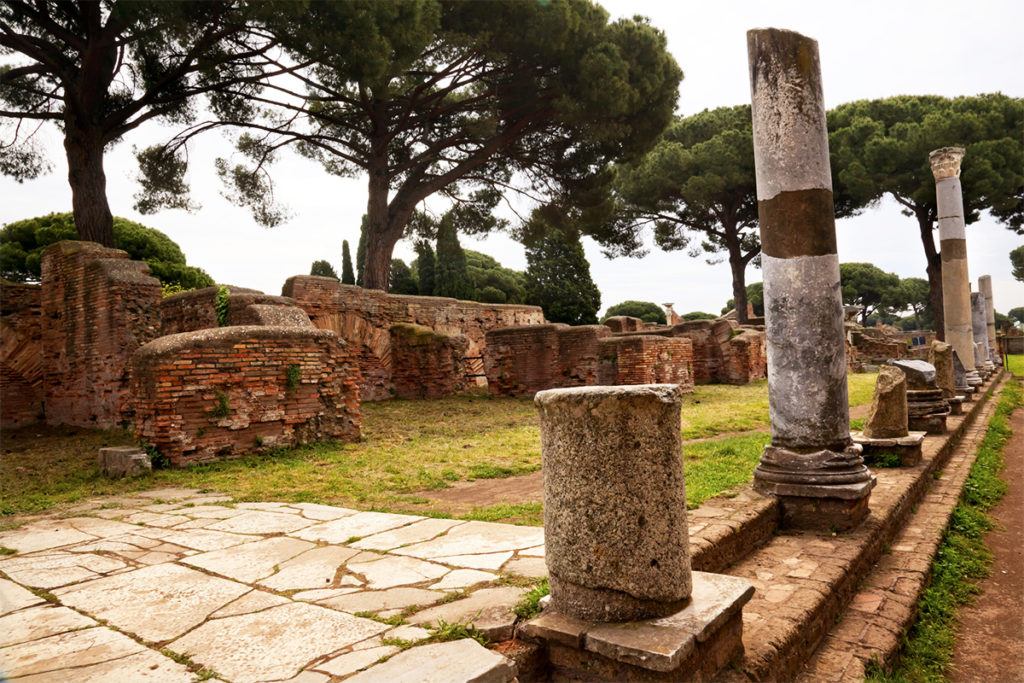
617, 541
985, 287
802, 297
811, 456
979, 327
956, 284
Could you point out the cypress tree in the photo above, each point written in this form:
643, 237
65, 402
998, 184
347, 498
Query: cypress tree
558, 280
451, 275
425, 264
347, 277
361, 253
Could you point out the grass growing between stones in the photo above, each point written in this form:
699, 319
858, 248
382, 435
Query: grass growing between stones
407, 446
961, 560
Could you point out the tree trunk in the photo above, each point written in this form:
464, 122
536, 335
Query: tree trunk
738, 265
88, 187
934, 269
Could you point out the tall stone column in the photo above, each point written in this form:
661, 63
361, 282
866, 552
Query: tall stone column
812, 466
985, 287
956, 285
979, 327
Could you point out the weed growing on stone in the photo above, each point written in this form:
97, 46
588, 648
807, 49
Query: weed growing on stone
961, 560
457, 631
394, 620
220, 305
529, 606
7, 551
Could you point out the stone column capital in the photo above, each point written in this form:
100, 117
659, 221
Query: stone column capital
945, 162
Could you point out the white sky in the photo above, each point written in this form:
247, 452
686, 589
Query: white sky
869, 49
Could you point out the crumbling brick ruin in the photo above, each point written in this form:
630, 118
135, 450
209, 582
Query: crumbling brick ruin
364, 317
520, 361
96, 345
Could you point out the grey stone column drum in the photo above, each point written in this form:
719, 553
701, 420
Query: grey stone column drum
811, 455
956, 284
979, 326
985, 287
617, 541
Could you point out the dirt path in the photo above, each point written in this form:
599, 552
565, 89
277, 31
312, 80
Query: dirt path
990, 638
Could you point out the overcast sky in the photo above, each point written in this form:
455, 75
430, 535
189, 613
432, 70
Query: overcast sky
869, 49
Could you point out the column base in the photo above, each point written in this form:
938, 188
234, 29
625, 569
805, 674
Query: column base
929, 424
692, 644
907, 447
823, 490
974, 379
605, 604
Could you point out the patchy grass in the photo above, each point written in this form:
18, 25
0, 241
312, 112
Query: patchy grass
714, 409
961, 560
407, 446
1015, 364
529, 606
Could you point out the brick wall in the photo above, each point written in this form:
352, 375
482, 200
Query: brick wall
624, 323
98, 308
874, 348
651, 359
197, 310
745, 358
215, 393
21, 360
521, 361
364, 317
425, 363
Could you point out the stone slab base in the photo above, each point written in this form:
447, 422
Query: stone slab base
907, 447
822, 514
930, 424
690, 645
956, 405
123, 461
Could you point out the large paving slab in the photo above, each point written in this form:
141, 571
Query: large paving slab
156, 603
391, 571
354, 526
40, 622
54, 568
43, 536
316, 568
74, 648
13, 597
489, 610
274, 644
146, 666
456, 660
476, 538
262, 522
251, 561
414, 533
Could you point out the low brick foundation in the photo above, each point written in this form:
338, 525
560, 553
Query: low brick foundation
648, 359
426, 364
203, 395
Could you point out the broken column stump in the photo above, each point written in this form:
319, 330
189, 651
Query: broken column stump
926, 408
123, 461
885, 431
812, 466
625, 604
940, 354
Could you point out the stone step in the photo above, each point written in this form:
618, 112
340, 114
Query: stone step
871, 627
804, 579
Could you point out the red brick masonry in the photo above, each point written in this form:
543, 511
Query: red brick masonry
203, 395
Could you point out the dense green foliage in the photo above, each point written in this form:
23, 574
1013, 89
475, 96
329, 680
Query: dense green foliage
1017, 262
361, 252
1017, 315
880, 148
961, 560
647, 311
323, 269
425, 264
912, 293
22, 244
347, 275
697, 188
868, 286
451, 272
457, 97
402, 281
504, 285
698, 315
558, 279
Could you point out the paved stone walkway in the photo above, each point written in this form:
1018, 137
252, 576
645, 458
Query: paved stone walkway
174, 585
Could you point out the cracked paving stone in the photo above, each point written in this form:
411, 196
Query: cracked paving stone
488, 609
156, 603
413, 533
144, 667
350, 662
357, 525
476, 538
391, 571
40, 622
463, 578
58, 568
261, 522
376, 601
74, 648
43, 536
13, 597
262, 646
253, 601
312, 569
251, 561
456, 660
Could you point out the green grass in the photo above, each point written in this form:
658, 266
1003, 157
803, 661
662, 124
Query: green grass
961, 560
1015, 364
529, 606
407, 447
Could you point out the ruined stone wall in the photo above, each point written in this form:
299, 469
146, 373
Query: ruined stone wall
873, 346
520, 361
650, 359
364, 317
197, 310
98, 308
745, 359
21, 355
425, 363
624, 323
216, 393
707, 338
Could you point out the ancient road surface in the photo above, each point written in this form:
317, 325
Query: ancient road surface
990, 641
